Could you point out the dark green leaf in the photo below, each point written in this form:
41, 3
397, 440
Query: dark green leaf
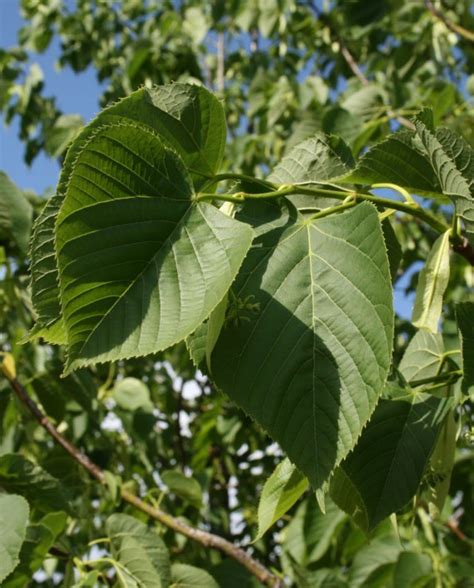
385, 469
15, 213
465, 320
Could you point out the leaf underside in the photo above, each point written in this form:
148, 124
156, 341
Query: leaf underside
309, 350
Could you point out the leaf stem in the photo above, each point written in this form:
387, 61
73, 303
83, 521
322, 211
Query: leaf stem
290, 189
447, 377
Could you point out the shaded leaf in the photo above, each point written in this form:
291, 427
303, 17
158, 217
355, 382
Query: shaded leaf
280, 492
385, 469
16, 213
465, 321
62, 133
378, 553
313, 317
412, 567
310, 533
22, 476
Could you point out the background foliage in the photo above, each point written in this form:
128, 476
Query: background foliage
284, 69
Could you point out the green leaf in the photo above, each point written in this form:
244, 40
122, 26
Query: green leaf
312, 316
385, 469
379, 553
15, 213
187, 117
186, 488
132, 394
322, 578
411, 568
395, 160
40, 537
465, 321
214, 326
142, 264
42, 490
184, 576
342, 123
394, 250
423, 357
140, 551
452, 181
44, 276
310, 533
442, 463
315, 160
432, 283
62, 133
280, 492
14, 514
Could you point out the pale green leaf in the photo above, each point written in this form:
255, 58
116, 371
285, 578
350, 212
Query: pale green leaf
385, 469
142, 264
62, 133
43, 491
310, 533
465, 321
280, 492
131, 394
40, 537
16, 213
186, 488
14, 514
315, 160
307, 344
185, 576
432, 283
411, 568
140, 551
322, 578
423, 357
377, 554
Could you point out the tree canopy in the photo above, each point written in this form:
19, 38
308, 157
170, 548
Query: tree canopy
210, 375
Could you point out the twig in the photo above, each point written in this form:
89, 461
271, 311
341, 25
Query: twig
353, 65
203, 537
455, 28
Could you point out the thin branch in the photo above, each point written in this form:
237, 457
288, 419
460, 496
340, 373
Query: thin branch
352, 63
203, 537
455, 28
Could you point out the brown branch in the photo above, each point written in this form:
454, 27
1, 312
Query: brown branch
203, 537
352, 63
455, 28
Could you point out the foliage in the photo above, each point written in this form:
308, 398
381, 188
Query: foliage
212, 287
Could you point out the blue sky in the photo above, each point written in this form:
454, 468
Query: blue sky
75, 93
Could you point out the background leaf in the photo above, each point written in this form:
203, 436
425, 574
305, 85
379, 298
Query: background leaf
432, 283
16, 213
14, 514
280, 492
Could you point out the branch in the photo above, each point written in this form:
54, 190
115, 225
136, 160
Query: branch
352, 63
203, 537
455, 28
